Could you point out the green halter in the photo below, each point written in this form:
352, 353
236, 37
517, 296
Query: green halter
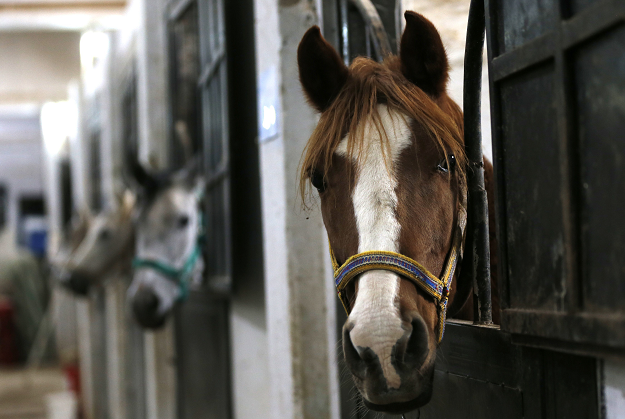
180, 276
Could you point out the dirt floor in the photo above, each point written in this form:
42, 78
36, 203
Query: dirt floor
24, 394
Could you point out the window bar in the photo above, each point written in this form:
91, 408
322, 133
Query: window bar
368, 40
344, 31
476, 261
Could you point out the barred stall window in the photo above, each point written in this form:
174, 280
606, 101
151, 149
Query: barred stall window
184, 66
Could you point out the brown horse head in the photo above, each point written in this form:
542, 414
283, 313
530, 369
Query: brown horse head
387, 161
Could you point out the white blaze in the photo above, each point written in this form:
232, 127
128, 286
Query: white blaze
376, 318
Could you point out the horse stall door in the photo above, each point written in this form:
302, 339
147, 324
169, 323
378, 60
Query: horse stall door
559, 179
202, 346
198, 127
99, 364
134, 379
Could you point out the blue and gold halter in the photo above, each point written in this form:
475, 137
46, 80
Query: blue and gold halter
406, 267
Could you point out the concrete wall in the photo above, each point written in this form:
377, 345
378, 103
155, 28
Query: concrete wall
294, 241
251, 394
614, 388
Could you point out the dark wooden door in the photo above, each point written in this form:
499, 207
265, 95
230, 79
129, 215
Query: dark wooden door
481, 374
202, 357
99, 361
557, 71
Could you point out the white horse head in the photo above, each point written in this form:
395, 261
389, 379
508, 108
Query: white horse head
105, 248
169, 230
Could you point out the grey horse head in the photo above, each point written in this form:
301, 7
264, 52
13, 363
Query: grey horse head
168, 254
106, 247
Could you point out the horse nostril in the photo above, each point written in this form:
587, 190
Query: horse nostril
146, 299
417, 348
78, 283
353, 359
145, 306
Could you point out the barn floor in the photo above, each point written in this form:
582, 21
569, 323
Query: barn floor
39, 394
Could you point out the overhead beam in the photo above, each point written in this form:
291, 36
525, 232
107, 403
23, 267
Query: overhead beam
67, 4
75, 16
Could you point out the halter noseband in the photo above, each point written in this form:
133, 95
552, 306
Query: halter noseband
406, 267
179, 276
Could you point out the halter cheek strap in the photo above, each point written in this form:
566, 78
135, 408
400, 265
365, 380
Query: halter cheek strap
179, 276
402, 265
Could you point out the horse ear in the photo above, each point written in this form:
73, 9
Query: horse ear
200, 187
190, 172
144, 179
194, 167
194, 177
128, 202
322, 73
85, 217
423, 57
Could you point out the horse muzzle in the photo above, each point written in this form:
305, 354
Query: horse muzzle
392, 376
77, 282
145, 305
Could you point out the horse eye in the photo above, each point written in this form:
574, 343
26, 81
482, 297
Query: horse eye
318, 181
104, 234
182, 221
444, 167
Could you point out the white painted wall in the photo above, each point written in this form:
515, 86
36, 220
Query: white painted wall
251, 395
274, 213
295, 276
152, 79
614, 388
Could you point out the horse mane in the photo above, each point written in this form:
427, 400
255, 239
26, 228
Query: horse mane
368, 84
